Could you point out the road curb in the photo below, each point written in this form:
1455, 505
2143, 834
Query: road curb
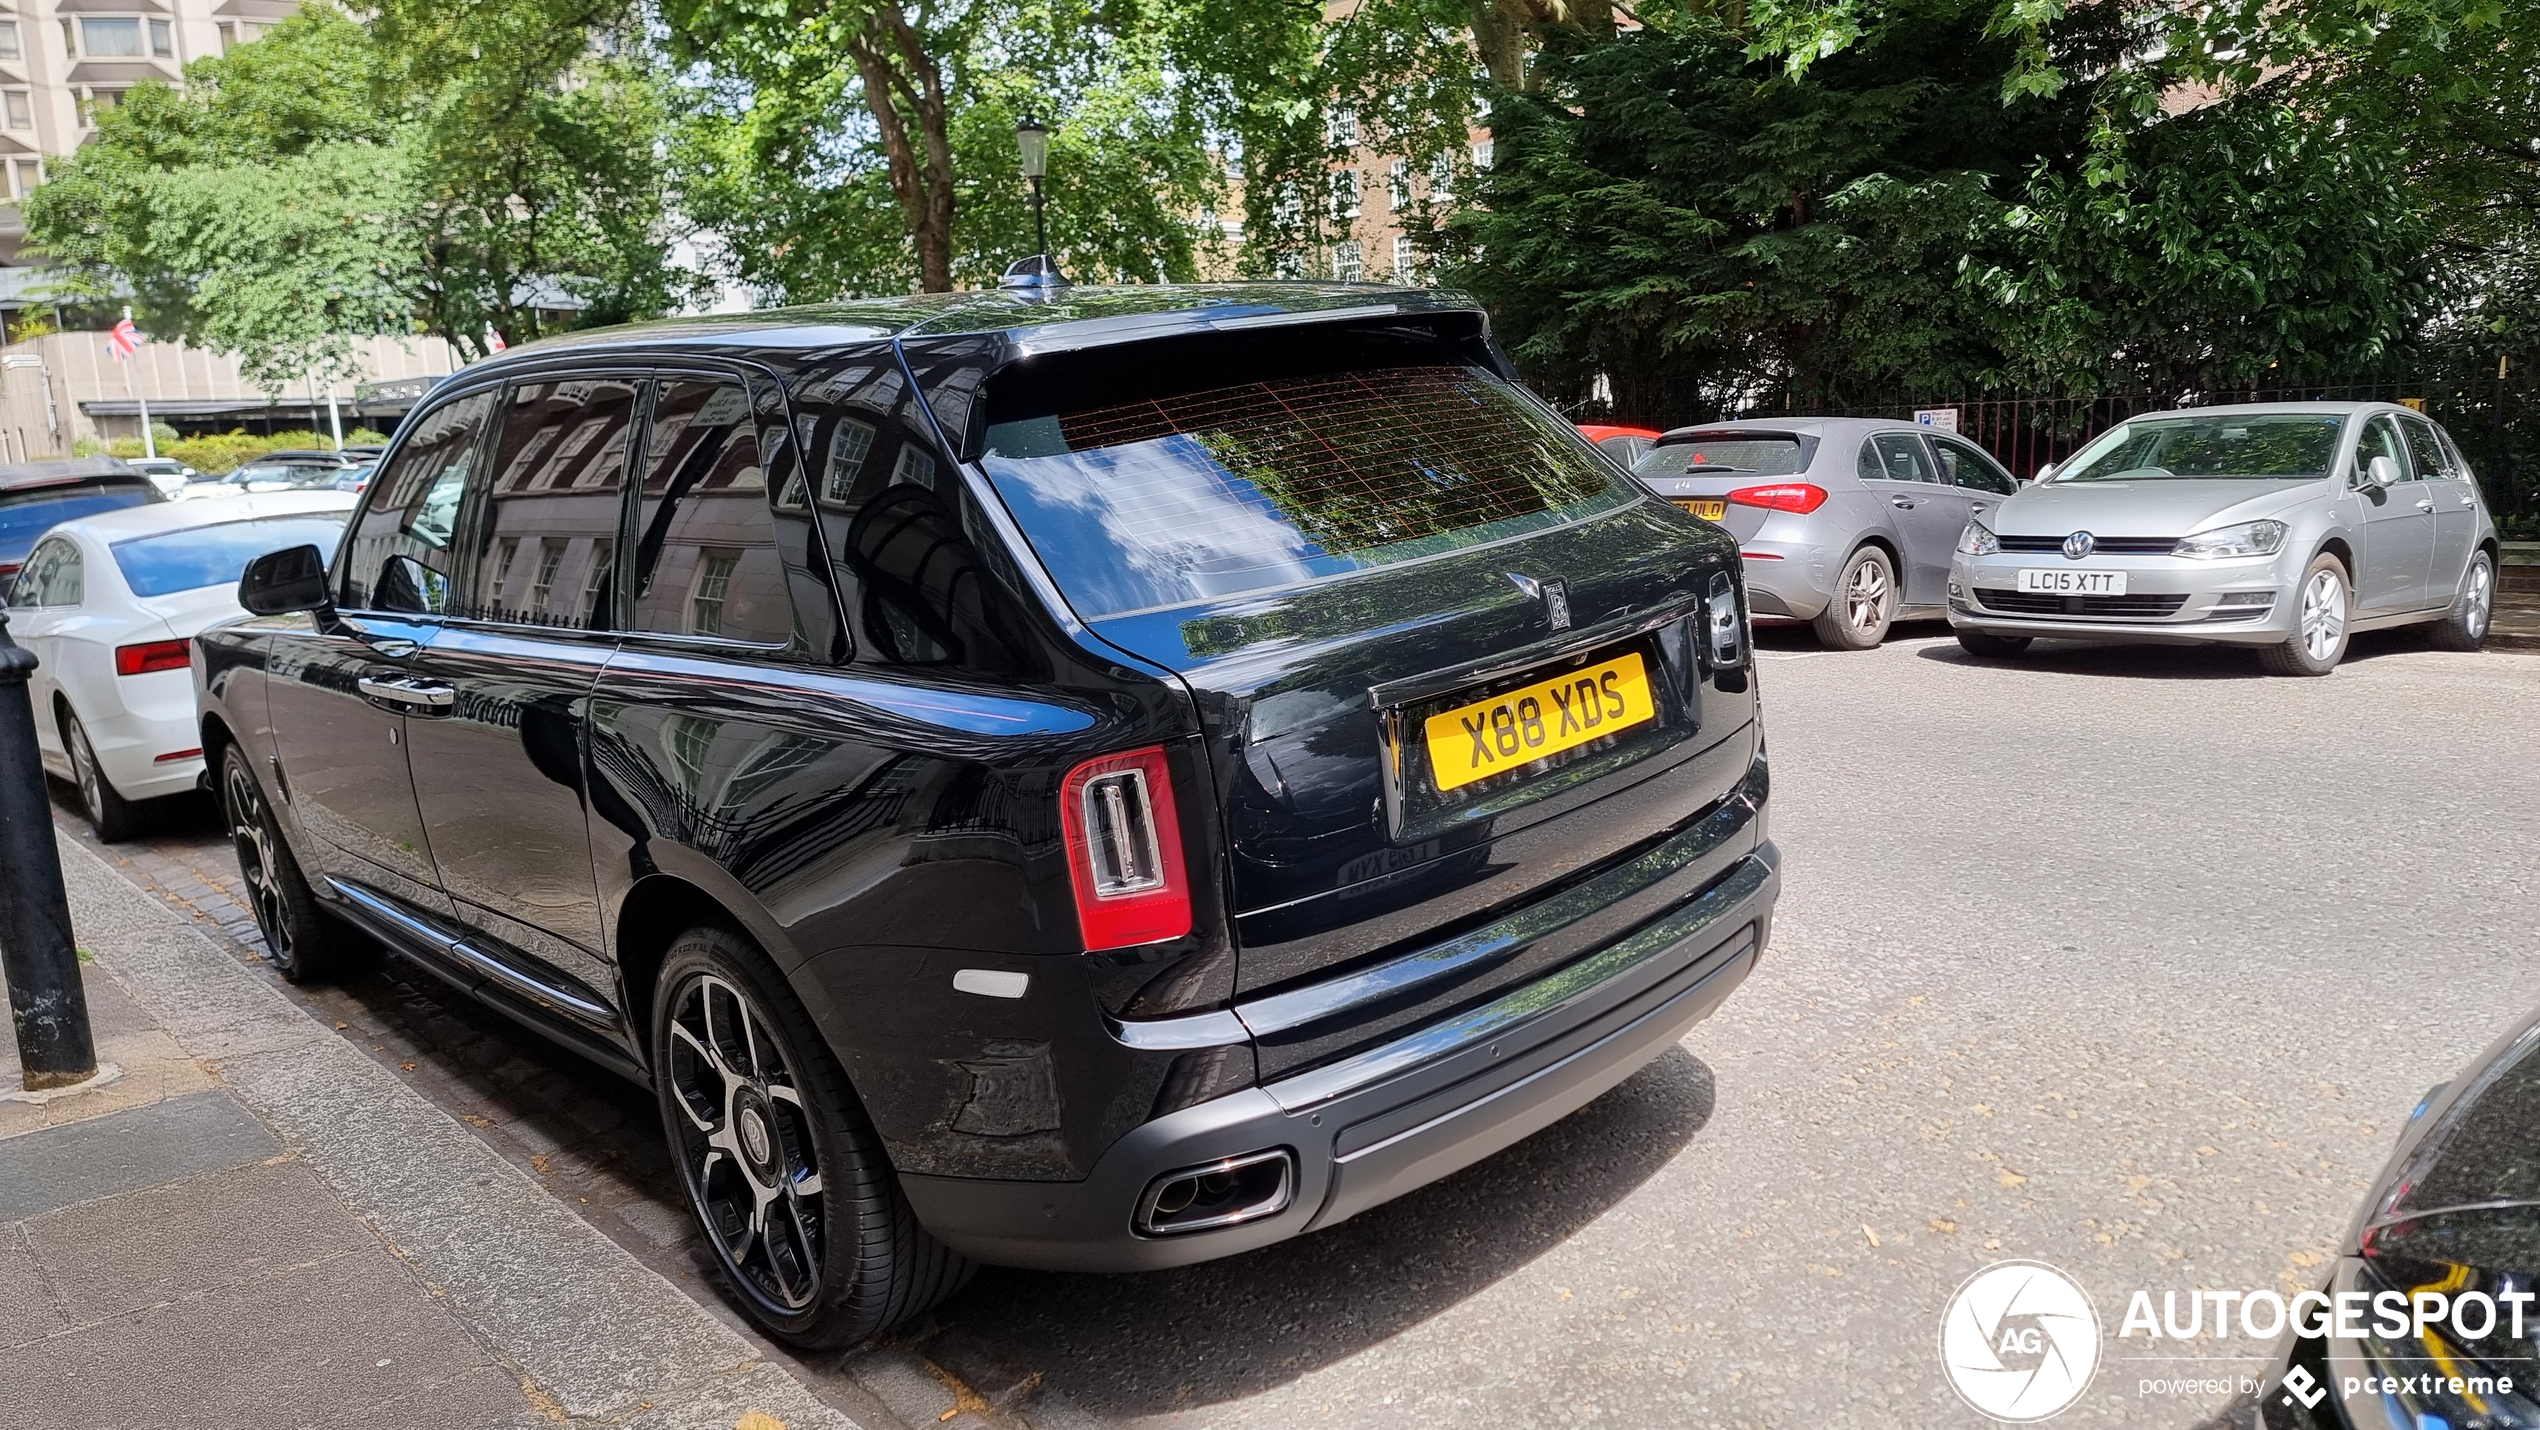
596, 1335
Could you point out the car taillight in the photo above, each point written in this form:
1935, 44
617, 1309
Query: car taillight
1801, 497
1124, 850
149, 656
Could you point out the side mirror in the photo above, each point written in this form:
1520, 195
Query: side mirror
2046, 473
281, 582
2382, 472
409, 586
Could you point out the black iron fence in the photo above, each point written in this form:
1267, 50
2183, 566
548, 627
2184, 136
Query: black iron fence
2493, 415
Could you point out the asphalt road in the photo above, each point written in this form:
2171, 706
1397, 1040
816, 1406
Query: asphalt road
2130, 961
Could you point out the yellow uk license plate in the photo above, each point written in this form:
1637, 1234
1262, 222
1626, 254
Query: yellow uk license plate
1518, 727
1706, 508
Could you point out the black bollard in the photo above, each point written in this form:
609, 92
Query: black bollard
46, 1000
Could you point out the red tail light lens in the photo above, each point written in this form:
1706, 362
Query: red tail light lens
1801, 497
149, 656
1124, 850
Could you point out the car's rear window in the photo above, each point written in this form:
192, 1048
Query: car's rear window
172, 561
2288, 444
1183, 497
1729, 456
24, 516
308, 475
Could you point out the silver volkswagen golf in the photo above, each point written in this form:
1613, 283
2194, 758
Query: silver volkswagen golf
1845, 523
2282, 526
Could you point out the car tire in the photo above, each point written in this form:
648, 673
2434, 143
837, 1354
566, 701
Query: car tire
2464, 627
2323, 607
302, 941
109, 814
1864, 603
1992, 647
778, 1157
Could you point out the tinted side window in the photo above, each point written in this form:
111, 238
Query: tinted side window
1972, 467
399, 557
1901, 457
706, 562
2380, 439
923, 584
51, 577
2433, 463
547, 553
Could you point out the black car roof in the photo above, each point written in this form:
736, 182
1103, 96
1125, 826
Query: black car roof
1064, 317
68, 471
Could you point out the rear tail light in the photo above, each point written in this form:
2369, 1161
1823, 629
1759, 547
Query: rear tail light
149, 656
1801, 497
1124, 850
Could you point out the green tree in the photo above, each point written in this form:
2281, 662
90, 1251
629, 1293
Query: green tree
432, 171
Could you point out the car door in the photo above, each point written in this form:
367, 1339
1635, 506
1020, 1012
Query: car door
499, 766
1928, 514
2447, 484
1971, 469
341, 691
2398, 525
47, 591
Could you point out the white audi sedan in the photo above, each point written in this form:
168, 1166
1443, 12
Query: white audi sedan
110, 603
2285, 527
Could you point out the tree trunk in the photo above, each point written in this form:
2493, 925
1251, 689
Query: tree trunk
902, 83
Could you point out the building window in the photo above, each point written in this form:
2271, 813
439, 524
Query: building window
115, 38
1398, 184
603, 561
1340, 128
507, 553
714, 578
95, 103
849, 442
1406, 259
1349, 264
30, 176
1442, 178
68, 47
20, 107
228, 36
9, 40
162, 41
1481, 153
1345, 197
914, 468
543, 584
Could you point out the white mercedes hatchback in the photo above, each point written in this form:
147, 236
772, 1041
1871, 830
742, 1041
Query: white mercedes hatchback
110, 604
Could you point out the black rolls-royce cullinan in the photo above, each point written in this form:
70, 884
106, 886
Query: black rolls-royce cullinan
1081, 778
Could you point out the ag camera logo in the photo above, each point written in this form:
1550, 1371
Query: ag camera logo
2020, 1341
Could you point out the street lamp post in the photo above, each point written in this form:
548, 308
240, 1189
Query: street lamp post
46, 1001
1034, 138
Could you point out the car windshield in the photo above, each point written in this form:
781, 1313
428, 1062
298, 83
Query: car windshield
2286, 445
24, 516
1184, 497
1739, 456
198, 556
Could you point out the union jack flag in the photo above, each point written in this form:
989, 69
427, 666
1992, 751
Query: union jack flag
124, 340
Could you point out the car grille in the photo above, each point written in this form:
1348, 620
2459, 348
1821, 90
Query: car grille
2044, 603
2100, 545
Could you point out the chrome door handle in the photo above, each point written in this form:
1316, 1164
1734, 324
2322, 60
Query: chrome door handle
405, 690
2426, 505
1975, 506
2469, 501
1901, 503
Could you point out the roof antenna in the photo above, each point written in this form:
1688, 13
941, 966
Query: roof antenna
1040, 271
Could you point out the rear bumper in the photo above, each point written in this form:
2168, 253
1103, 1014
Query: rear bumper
1384, 1121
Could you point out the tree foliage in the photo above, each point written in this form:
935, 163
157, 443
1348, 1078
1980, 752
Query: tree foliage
438, 169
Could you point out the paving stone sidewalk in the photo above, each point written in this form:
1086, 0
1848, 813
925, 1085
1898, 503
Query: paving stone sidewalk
254, 1225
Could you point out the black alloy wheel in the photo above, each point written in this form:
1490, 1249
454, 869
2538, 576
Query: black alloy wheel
785, 1174
301, 942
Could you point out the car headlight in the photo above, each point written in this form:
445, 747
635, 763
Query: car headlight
1978, 540
2249, 538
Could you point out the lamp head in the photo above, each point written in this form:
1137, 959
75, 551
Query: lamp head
1034, 138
